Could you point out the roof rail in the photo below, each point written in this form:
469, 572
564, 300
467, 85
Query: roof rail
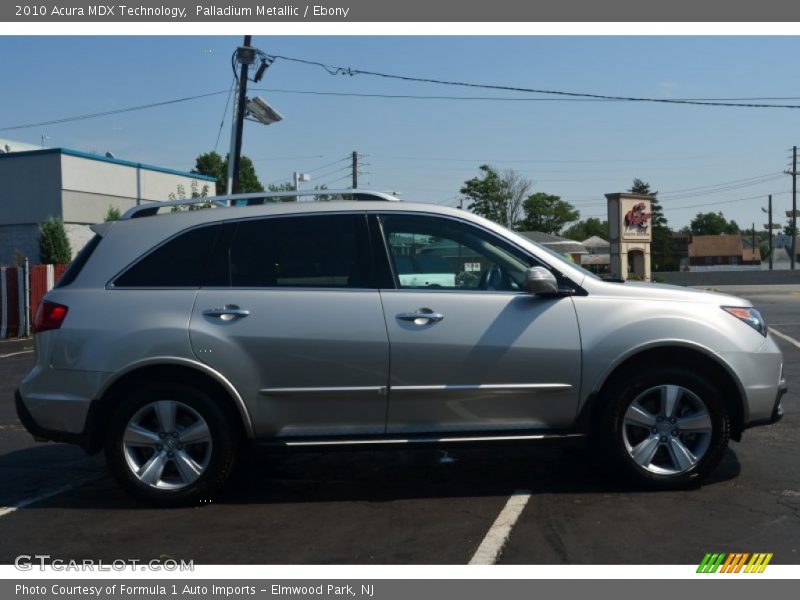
152, 208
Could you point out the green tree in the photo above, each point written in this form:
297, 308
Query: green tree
287, 186
583, 230
496, 196
547, 213
112, 214
213, 165
195, 192
662, 249
54, 246
711, 223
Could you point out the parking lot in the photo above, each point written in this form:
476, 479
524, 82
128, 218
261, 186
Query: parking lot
416, 506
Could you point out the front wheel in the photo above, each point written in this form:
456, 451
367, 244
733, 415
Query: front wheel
171, 444
665, 427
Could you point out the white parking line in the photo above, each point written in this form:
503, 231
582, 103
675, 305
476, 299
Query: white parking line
783, 336
15, 353
497, 536
7, 510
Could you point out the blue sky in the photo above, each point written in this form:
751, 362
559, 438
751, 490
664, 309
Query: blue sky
426, 149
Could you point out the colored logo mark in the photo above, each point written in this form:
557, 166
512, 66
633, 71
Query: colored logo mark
737, 562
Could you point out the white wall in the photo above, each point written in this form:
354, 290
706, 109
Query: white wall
91, 186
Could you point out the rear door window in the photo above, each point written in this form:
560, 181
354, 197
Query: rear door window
318, 251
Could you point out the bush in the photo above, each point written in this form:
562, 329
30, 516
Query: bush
53, 243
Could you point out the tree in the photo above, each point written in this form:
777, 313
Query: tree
213, 165
283, 187
583, 230
112, 214
497, 196
662, 249
547, 213
196, 192
711, 223
54, 246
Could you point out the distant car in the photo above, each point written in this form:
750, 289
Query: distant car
175, 340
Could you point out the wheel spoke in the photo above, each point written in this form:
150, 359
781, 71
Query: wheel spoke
195, 434
188, 469
150, 473
136, 435
165, 413
644, 452
698, 422
639, 416
681, 455
670, 395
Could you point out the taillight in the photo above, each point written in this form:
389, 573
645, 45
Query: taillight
49, 315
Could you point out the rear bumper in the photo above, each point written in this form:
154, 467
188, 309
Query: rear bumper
41, 433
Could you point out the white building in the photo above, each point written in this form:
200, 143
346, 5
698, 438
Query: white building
79, 188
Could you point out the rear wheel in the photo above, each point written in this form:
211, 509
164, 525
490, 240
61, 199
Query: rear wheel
171, 444
665, 427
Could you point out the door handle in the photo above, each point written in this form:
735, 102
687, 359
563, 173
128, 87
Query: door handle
227, 312
421, 316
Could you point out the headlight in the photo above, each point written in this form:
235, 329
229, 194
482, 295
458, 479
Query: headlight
749, 315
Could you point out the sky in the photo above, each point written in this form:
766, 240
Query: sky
699, 158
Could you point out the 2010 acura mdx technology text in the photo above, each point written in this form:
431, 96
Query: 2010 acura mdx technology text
173, 340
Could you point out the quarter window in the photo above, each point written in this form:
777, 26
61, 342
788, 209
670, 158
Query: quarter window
180, 262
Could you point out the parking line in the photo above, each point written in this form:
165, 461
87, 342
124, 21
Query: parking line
15, 353
497, 536
783, 336
7, 510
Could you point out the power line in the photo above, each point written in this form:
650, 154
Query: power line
117, 111
723, 183
514, 99
336, 70
225, 112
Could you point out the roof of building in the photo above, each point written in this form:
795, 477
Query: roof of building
556, 243
595, 242
715, 245
747, 255
108, 159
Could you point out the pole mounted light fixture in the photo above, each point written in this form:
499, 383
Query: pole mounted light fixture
262, 112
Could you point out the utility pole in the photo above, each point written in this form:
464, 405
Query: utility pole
794, 205
355, 169
246, 59
753, 238
770, 232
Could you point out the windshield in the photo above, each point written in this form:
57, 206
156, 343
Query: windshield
560, 260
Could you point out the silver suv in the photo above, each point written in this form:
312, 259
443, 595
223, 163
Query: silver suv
175, 341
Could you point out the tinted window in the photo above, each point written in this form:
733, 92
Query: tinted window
76, 266
305, 251
431, 252
180, 262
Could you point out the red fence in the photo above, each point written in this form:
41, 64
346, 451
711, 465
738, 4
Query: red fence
15, 282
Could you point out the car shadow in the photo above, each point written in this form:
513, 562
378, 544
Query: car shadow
282, 477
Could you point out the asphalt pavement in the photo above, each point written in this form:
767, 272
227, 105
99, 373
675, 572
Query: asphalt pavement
412, 506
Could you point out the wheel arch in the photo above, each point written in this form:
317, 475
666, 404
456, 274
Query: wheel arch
674, 354
170, 369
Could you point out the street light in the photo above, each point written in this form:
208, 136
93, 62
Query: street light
262, 112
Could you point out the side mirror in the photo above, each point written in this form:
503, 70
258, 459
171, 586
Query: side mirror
539, 280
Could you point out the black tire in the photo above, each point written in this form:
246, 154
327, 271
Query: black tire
619, 438
193, 406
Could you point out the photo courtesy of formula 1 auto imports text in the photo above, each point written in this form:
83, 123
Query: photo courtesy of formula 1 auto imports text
366, 301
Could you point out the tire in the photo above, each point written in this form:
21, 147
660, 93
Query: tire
654, 447
171, 444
